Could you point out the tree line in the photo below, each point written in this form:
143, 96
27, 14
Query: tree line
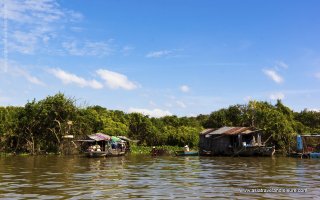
39, 126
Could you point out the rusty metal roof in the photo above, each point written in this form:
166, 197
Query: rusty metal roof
232, 131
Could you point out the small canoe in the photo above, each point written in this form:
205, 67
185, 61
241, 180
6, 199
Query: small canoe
95, 154
187, 153
314, 155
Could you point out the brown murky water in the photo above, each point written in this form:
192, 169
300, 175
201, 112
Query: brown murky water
144, 177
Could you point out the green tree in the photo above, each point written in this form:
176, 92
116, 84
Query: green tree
9, 135
140, 127
310, 120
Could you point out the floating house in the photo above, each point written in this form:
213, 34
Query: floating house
234, 141
99, 145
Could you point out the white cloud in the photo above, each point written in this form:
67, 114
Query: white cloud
24, 42
281, 64
15, 69
3, 65
116, 80
273, 75
276, 96
29, 77
192, 115
313, 109
185, 88
152, 113
30, 25
88, 48
126, 50
158, 54
152, 103
26, 11
4, 99
247, 98
181, 104
74, 16
317, 75
76, 29
169, 105
68, 78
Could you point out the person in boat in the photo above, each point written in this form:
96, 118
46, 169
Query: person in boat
186, 148
122, 147
153, 151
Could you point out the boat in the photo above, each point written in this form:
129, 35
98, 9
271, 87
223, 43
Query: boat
117, 147
102, 145
95, 154
254, 151
115, 152
308, 146
187, 153
314, 155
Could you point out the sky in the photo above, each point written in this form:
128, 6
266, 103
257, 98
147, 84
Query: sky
161, 57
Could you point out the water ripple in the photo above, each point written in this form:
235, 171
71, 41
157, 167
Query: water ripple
145, 177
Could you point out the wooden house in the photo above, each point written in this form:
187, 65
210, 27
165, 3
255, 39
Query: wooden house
233, 141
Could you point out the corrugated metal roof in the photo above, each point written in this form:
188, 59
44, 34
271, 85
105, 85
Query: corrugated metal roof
206, 131
124, 138
99, 137
237, 130
232, 130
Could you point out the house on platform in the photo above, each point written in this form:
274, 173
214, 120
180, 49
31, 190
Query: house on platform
234, 141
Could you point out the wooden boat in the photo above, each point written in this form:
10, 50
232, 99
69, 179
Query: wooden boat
187, 153
255, 151
115, 152
95, 154
205, 153
101, 145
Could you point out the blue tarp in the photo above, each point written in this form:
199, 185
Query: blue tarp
299, 143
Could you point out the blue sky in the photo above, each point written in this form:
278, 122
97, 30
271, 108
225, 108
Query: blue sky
181, 57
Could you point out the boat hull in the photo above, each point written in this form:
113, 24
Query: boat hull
257, 151
243, 151
314, 155
95, 154
187, 153
115, 153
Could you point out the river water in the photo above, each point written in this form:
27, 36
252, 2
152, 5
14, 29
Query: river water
146, 177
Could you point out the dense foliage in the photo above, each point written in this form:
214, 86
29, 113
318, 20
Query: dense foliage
39, 125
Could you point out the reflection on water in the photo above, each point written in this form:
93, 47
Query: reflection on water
54, 177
